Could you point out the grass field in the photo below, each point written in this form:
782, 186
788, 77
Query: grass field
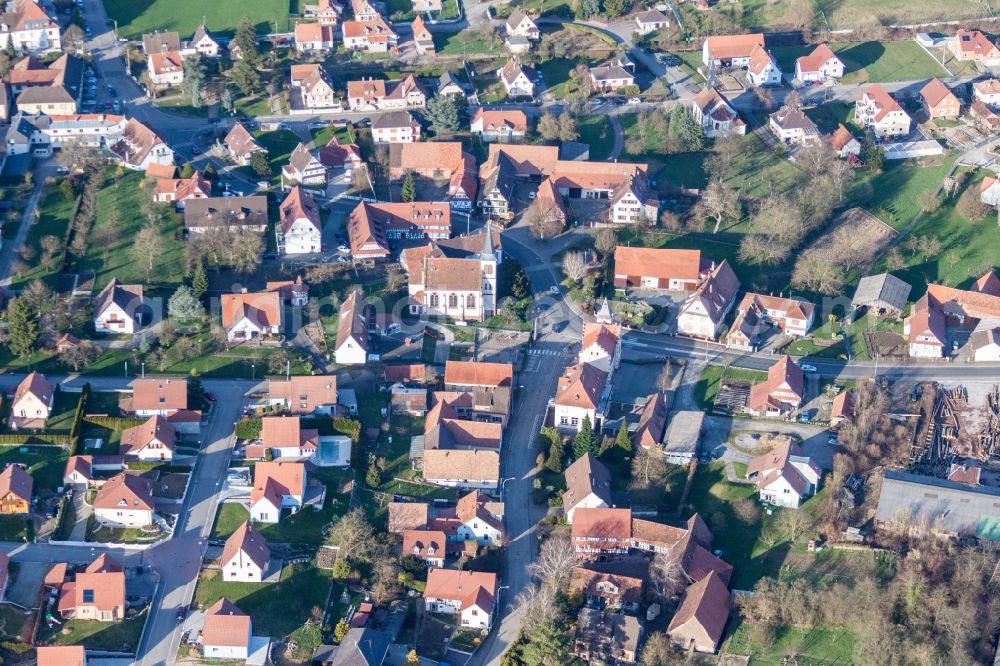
45, 463
893, 194
596, 131
711, 378
277, 609
110, 242
812, 646
55, 214
136, 17
279, 146
96, 635
464, 42
872, 62
846, 13
968, 248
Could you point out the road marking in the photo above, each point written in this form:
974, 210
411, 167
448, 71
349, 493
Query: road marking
544, 352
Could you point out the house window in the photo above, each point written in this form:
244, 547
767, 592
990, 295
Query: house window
470, 301
452, 300
563, 420
434, 300
575, 421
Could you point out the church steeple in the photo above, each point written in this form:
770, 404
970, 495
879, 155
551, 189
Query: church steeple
488, 254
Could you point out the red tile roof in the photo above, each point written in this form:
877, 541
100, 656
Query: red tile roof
815, 60
125, 491
226, 625
248, 540
705, 604
664, 264
581, 386
17, 482
159, 394
725, 47
475, 373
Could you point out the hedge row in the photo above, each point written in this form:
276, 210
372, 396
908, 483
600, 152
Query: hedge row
248, 428
74, 431
114, 422
349, 427
15, 439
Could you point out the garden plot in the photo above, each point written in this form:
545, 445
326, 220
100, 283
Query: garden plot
855, 238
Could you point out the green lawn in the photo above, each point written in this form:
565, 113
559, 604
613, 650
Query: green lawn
465, 42
968, 249
813, 646
557, 75
893, 195
711, 378
303, 528
55, 215
45, 463
110, 252
277, 609
872, 62
847, 13
138, 17
596, 131
63, 410
830, 114
13, 528
279, 145
96, 635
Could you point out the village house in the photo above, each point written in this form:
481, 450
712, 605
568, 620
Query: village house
61, 655
352, 331
549, 203
973, 45
462, 287
985, 344
340, 159
53, 88
369, 36
602, 587
407, 400
989, 190
633, 202
730, 50
489, 384
284, 436
162, 397
201, 43
32, 403
370, 226
878, 111
578, 396
15, 490
519, 24
427, 546
227, 632
785, 476
609, 77
842, 408
518, 80
844, 143
608, 638
179, 190
81, 469
792, 126
700, 620
294, 292
438, 164
704, 310
475, 518
656, 268
27, 28
500, 125
938, 101
763, 70
364, 10
781, 393
984, 117
423, 40
118, 308
303, 168
164, 62
125, 500
300, 229
601, 531
588, 485
649, 431
395, 127
139, 147
470, 594
448, 84
251, 316
304, 395
716, 116
381, 95
277, 486
819, 65
310, 89
468, 469
926, 327
987, 92
96, 593
240, 145
153, 440
314, 38
792, 316
246, 555
650, 21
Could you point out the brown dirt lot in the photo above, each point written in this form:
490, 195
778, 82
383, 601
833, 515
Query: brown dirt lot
885, 344
854, 238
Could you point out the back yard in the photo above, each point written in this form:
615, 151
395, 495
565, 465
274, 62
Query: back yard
135, 18
872, 62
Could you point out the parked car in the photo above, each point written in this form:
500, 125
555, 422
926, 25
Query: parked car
343, 248
554, 289
181, 613
808, 368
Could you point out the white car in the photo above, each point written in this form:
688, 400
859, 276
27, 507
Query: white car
554, 289
531, 196
634, 100
343, 248
342, 260
808, 368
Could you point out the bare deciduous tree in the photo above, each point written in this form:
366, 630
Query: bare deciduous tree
666, 575
556, 559
719, 202
574, 266
605, 242
537, 603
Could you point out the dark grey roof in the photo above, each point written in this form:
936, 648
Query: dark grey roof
683, 432
883, 290
361, 647
607, 634
940, 505
128, 297
501, 178
393, 119
231, 211
448, 79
